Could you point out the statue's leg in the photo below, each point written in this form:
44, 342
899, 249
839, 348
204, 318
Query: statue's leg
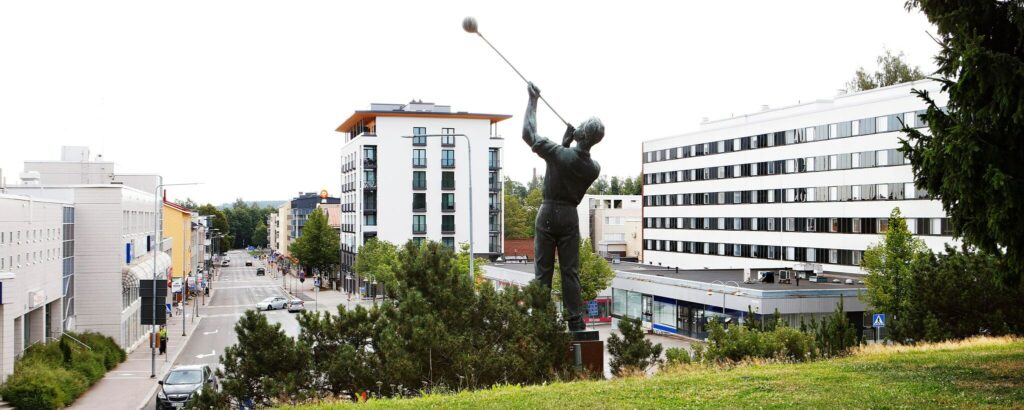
543, 250
569, 263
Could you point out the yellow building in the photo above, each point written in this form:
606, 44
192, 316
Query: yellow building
178, 227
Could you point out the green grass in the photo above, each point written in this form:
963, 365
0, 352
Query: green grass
980, 373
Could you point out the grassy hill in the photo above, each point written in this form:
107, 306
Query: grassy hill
978, 373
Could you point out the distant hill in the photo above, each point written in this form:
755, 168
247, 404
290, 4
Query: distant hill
261, 204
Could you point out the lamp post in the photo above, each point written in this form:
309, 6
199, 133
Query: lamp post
158, 217
724, 284
469, 159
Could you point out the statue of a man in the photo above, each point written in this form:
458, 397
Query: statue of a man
569, 173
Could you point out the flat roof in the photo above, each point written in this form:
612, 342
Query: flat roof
710, 275
362, 115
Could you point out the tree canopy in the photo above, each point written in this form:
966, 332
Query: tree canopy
319, 247
888, 266
891, 70
970, 158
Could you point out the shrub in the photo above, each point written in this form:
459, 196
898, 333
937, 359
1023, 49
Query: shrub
104, 345
677, 356
741, 342
37, 386
632, 352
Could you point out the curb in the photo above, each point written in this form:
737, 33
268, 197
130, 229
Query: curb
145, 401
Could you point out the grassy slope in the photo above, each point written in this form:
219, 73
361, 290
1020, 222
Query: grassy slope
976, 374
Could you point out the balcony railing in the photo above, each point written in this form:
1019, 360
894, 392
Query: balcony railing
494, 164
447, 163
419, 228
369, 209
370, 185
447, 228
494, 187
495, 227
369, 163
419, 162
494, 208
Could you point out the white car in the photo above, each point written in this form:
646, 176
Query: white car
271, 303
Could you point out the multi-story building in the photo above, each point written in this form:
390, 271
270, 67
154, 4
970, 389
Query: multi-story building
612, 222
114, 239
405, 176
272, 231
177, 227
37, 300
811, 183
301, 207
283, 220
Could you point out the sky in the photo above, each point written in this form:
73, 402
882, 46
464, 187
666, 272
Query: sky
244, 96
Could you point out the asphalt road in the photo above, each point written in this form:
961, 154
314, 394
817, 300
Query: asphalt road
235, 290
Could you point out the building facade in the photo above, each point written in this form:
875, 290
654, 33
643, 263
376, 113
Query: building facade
406, 176
301, 207
36, 274
177, 228
613, 224
283, 216
812, 183
114, 240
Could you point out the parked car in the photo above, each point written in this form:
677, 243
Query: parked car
261, 271
271, 303
182, 384
248, 263
295, 305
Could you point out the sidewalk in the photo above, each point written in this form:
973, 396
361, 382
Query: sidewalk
325, 300
128, 386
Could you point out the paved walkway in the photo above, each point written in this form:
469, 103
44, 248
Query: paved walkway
128, 386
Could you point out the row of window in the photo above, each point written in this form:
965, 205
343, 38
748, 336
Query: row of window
419, 136
419, 224
853, 160
419, 202
917, 226
419, 158
872, 192
865, 126
31, 236
15, 261
771, 252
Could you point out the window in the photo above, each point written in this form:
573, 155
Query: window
810, 255
492, 158
419, 180
833, 256
419, 136
448, 137
883, 225
812, 225
447, 202
833, 225
370, 220
447, 223
419, 202
881, 158
447, 158
858, 256
370, 155
419, 224
833, 193
419, 158
614, 237
447, 180
370, 179
448, 242
856, 228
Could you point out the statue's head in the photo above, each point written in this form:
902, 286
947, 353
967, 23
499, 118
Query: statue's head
589, 133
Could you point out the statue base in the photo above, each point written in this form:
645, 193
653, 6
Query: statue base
587, 355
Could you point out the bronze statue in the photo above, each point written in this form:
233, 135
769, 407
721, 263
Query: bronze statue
569, 173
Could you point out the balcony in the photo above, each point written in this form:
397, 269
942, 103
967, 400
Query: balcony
447, 209
370, 185
419, 228
348, 207
370, 163
350, 228
419, 162
493, 164
494, 227
494, 187
447, 163
494, 208
447, 229
369, 209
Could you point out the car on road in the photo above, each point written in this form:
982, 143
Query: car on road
225, 262
261, 272
295, 305
248, 263
182, 384
271, 303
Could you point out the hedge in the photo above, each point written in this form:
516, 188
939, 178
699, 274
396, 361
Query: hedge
53, 375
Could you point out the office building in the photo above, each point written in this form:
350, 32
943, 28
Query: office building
405, 171
37, 299
612, 223
811, 183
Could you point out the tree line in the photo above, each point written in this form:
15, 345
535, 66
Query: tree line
243, 224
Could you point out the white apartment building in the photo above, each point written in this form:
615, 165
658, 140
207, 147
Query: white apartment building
613, 224
36, 274
114, 240
397, 188
814, 182
272, 231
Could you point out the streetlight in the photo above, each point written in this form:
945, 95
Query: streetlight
724, 284
158, 210
469, 159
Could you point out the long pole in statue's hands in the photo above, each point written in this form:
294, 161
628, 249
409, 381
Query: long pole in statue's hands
469, 24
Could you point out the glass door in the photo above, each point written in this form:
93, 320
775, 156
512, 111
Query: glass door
647, 303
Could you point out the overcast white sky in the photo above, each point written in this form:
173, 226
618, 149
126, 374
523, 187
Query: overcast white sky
245, 95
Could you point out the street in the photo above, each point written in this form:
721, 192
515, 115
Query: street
234, 290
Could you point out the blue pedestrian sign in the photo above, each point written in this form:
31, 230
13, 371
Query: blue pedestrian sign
878, 320
592, 308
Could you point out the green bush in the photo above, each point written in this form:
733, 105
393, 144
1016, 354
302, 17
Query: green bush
632, 352
37, 386
741, 342
89, 364
105, 346
677, 356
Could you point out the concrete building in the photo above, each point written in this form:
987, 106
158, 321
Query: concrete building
37, 299
114, 239
613, 224
283, 221
333, 213
811, 183
399, 189
301, 207
177, 227
272, 231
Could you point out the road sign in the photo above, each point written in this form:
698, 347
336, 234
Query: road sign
878, 320
592, 308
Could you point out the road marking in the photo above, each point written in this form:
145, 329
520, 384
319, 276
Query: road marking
211, 333
212, 353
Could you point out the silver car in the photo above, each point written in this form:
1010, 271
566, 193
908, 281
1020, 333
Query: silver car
271, 303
